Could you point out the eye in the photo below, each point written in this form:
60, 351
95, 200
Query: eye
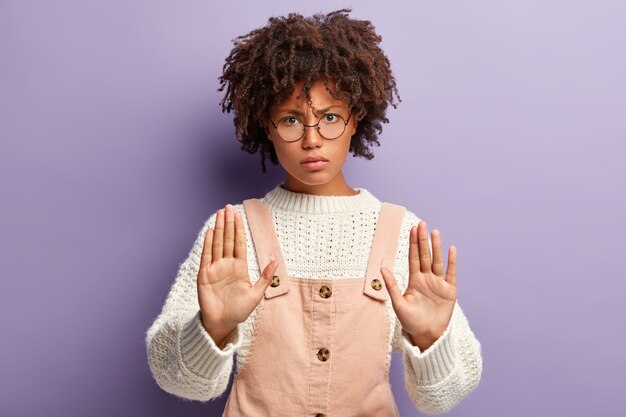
330, 118
289, 121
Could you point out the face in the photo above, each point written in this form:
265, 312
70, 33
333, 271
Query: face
320, 178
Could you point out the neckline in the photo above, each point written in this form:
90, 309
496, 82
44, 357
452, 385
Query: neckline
283, 199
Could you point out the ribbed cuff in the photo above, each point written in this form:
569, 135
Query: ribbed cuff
200, 353
435, 363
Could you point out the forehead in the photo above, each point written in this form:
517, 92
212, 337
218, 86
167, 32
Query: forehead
320, 97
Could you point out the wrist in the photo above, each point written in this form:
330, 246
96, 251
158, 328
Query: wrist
219, 334
424, 340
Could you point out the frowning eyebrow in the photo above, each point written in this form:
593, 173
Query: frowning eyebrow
301, 114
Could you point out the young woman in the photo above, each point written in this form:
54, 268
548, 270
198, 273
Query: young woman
317, 282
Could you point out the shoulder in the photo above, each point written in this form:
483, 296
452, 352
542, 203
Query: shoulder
410, 219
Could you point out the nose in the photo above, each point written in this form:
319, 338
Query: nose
312, 138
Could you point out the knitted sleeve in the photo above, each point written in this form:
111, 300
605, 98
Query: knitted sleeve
445, 373
183, 358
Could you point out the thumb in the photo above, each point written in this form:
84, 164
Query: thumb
265, 279
392, 286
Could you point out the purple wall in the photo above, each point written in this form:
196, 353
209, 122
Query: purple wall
510, 139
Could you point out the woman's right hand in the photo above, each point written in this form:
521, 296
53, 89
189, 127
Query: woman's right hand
225, 293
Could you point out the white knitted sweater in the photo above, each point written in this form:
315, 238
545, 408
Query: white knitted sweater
320, 237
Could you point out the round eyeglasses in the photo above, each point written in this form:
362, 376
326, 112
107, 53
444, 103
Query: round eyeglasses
329, 126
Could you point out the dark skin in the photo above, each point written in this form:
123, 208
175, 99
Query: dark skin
425, 308
227, 296
306, 49
225, 293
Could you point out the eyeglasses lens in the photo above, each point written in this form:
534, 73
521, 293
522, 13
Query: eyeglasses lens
292, 129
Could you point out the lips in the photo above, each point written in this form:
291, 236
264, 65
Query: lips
313, 159
314, 163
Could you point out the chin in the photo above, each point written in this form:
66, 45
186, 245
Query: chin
311, 178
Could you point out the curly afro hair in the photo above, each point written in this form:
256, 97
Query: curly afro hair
265, 64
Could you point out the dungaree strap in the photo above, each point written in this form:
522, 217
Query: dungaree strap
266, 244
384, 249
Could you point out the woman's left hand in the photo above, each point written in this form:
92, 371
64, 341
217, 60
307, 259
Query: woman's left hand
425, 308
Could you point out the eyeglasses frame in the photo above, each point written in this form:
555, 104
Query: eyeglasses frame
316, 125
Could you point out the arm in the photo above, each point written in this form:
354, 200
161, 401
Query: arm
183, 358
449, 365
438, 378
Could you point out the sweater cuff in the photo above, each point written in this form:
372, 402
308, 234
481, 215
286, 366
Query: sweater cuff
435, 363
200, 353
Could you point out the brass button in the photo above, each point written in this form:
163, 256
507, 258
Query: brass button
376, 284
325, 292
275, 281
323, 354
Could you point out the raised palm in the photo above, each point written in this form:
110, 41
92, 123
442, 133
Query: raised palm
425, 308
225, 293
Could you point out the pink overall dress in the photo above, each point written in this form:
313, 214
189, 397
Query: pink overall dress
319, 346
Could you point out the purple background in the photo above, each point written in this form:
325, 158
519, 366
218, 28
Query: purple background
509, 139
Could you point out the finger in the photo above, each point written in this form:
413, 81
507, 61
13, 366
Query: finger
265, 279
229, 231
392, 287
424, 246
218, 236
437, 255
240, 239
414, 256
205, 258
451, 272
